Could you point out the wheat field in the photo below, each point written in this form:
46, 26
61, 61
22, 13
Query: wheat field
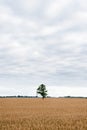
38, 114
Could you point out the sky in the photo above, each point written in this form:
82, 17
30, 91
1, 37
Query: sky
43, 41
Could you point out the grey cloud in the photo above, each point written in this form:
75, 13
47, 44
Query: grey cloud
40, 49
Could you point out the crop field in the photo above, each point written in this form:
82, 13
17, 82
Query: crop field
38, 114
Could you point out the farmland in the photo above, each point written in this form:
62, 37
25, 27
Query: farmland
38, 114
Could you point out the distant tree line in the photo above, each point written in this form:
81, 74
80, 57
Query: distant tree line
19, 96
41, 90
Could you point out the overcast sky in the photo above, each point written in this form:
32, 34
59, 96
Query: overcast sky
43, 41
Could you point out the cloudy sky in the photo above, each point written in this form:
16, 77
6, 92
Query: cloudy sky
43, 41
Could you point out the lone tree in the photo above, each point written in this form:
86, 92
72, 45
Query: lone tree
42, 91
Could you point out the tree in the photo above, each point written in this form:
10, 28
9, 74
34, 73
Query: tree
42, 91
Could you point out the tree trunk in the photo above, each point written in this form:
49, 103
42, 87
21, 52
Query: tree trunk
43, 98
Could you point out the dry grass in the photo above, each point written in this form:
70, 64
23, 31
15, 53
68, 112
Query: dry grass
36, 114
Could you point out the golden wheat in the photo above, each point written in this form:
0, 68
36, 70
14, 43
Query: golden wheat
36, 114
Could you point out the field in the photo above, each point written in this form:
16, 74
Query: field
38, 114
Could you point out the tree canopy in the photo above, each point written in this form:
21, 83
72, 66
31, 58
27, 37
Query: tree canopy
42, 91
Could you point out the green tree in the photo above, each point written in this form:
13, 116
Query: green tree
42, 91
